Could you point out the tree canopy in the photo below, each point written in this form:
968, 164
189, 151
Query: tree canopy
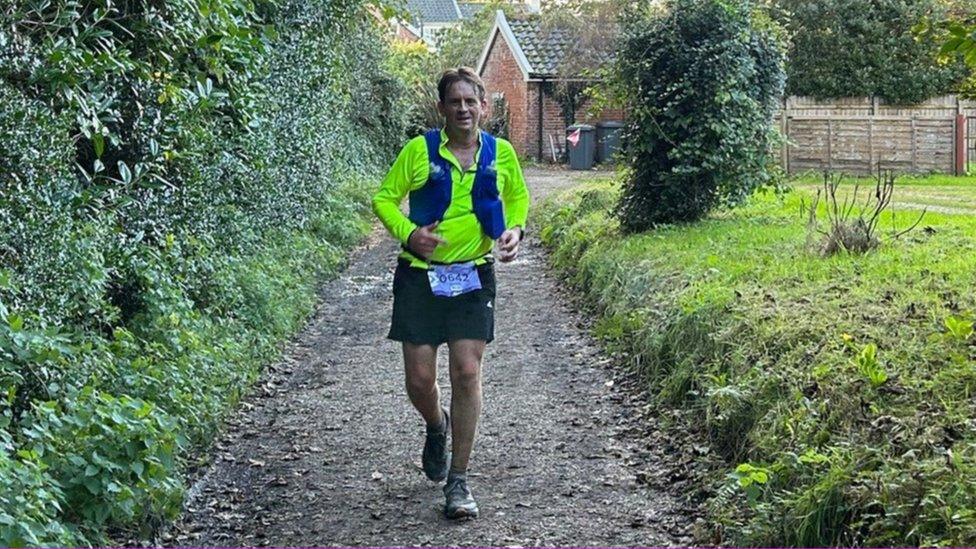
844, 48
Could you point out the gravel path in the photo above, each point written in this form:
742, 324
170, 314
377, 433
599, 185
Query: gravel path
326, 450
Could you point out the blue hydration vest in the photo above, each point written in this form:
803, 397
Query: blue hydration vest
428, 203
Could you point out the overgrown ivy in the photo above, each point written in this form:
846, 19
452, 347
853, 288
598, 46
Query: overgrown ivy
703, 79
175, 176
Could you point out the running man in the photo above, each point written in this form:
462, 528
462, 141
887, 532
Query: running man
466, 194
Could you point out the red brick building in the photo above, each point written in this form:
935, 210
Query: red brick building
520, 64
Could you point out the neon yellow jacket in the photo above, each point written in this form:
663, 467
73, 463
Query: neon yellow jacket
460, 228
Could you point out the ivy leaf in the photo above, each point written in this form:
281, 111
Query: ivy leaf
951, 45
99, 144
125, 173
16, 322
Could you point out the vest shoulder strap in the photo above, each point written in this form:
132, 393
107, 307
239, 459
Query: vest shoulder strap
433, 138
487, 157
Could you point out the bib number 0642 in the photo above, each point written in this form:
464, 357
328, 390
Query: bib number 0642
454, 280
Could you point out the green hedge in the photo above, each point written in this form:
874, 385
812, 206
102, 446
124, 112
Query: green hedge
844, 48
832, 396
175, 178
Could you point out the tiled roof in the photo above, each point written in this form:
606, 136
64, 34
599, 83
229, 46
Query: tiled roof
433, 11
544, 50
470, 9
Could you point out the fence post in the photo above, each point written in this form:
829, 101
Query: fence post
785, 132
871, 145
914, 146
960, 144
830, 138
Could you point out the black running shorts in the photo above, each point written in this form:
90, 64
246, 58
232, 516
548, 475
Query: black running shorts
420, 317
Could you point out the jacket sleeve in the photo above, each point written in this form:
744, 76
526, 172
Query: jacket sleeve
515, 195
408, 173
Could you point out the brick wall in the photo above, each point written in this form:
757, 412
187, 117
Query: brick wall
552, 124
501, 74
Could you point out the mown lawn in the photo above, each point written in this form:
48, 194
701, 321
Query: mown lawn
941, 193
768, 348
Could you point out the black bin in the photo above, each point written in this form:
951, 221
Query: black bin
581, 155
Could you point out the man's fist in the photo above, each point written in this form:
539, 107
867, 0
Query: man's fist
508, 244
423, 241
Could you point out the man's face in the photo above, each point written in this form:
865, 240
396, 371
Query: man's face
462, 108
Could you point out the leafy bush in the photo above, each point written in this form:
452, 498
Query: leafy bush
498, 123
30, 501
418, 68
113, 457
175, 179
704, 78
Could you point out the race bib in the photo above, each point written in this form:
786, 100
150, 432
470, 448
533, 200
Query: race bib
454, 280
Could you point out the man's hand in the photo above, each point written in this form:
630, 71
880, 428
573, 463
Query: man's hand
508, 244
423, 241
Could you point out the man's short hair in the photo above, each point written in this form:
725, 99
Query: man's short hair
460, 74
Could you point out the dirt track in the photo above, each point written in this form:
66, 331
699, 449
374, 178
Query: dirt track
326, 451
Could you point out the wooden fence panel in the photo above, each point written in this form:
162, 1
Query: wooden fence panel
859, 145
858, 135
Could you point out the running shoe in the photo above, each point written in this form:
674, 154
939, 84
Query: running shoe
434, 458
460, 503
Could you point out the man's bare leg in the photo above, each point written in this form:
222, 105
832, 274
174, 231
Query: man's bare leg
420, 365
465, 368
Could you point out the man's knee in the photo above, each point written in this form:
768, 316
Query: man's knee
421, 379
466, 374
420, 366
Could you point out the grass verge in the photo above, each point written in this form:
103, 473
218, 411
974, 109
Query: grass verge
837, 392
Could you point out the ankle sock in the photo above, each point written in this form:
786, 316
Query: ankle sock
456, 473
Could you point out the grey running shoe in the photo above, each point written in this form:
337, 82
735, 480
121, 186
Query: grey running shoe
435, 451
460, 503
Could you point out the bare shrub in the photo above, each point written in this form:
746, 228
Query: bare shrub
852, 224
